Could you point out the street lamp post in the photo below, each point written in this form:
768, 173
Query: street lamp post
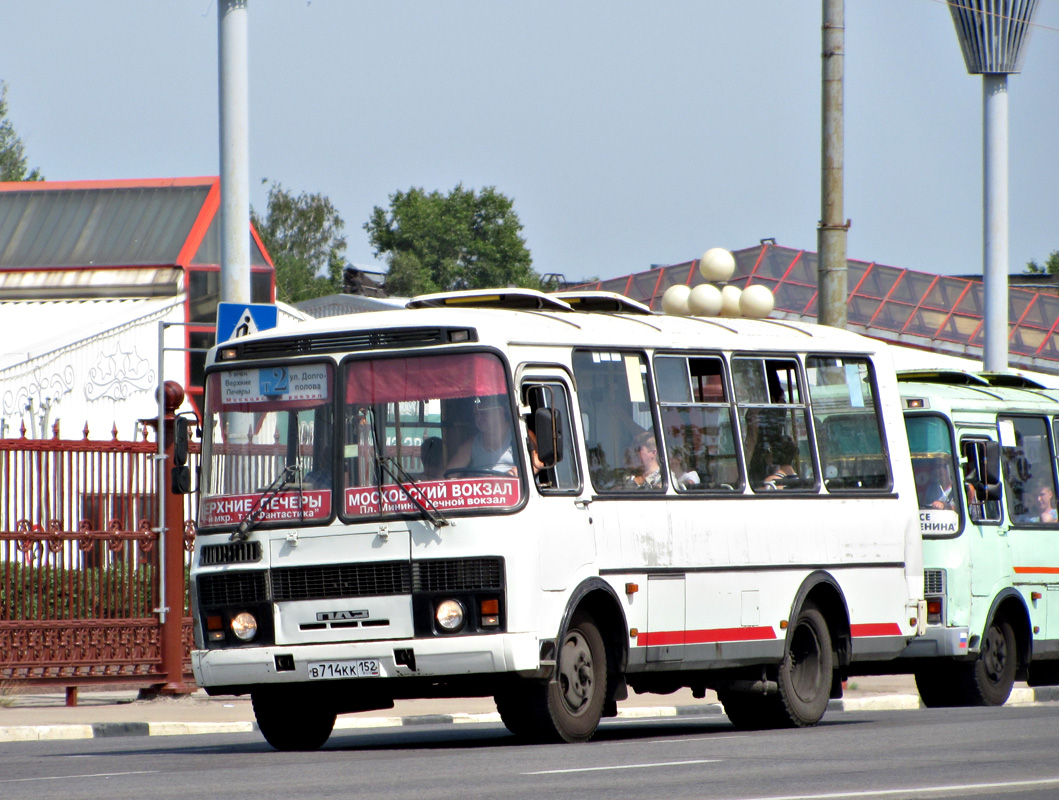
993, 35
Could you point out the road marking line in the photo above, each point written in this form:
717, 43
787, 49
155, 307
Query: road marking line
917, 790
623, 766
68, 777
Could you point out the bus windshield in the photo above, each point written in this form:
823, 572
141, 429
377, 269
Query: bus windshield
431, 430
268, 430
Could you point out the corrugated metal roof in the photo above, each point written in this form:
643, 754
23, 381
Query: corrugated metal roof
97, 225
31, 329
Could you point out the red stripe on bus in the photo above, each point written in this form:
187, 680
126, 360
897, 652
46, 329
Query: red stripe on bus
1031, 570
654, 638
876, 629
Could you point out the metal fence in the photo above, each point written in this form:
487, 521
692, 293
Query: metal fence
80, 561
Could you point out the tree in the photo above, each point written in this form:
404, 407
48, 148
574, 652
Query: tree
303, 235
12, 151
1050, 267
463, 240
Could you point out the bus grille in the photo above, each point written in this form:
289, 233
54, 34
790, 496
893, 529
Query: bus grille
933, 582
343, 341
458, 575
233, 588
341, 580
332, 581
230, 553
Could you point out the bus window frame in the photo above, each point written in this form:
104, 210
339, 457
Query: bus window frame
728, 403
804, 405
528, 380
651, 400
956, 462
1049, 432
884, 441
340, 432
1000, 520
229, 366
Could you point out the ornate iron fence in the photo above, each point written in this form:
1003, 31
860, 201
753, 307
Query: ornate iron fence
80, 561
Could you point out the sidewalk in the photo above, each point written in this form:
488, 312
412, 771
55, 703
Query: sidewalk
39, 715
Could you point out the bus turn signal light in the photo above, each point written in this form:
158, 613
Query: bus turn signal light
490, 613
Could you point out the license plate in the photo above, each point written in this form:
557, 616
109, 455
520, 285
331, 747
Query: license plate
331, 670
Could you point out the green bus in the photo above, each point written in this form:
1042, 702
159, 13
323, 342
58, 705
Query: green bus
983, 450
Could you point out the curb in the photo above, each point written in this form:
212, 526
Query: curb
104, 730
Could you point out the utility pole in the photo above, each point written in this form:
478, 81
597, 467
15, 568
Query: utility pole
235, 150
831, 235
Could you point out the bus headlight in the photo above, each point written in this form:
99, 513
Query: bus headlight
450, 615
244, 626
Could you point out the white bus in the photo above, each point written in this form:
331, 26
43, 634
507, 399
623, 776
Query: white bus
984, 455
551, 500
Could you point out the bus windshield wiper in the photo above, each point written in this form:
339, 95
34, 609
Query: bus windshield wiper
392, 467
257, 512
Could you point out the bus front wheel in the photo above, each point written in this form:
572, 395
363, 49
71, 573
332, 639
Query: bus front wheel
988, 681
291, 722
568, 707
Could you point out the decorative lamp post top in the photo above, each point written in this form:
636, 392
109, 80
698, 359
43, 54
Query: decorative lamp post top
993, 33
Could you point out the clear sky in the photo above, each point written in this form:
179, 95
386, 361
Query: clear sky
627, 133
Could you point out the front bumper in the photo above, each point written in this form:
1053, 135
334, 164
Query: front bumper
435, 657
939, 640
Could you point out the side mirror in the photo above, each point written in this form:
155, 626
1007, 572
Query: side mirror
547, 427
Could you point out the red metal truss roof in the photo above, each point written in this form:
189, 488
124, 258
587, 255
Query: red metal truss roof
937, 312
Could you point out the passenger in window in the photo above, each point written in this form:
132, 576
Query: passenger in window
1041, 501
650, 476
492, 448
938, 492
783, 452
432, 455
684, 478
763, 427
531, 445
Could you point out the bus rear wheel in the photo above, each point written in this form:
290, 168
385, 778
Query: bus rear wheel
806, 671
290, 720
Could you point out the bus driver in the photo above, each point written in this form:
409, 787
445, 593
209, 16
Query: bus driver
492, 448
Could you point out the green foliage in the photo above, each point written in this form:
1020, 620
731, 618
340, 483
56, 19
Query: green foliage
1050, 267
111, 592
12, 151
463, 240
303, 235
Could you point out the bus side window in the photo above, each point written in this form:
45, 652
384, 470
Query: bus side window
981, 474
776, 446
1028, 475
616, 418
696, 418
849, 432
549, 439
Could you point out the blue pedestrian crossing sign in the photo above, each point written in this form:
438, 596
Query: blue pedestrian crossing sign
242, 319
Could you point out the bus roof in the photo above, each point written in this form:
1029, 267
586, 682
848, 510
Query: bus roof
977, 393
524, 317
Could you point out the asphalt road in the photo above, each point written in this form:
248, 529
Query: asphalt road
956, 753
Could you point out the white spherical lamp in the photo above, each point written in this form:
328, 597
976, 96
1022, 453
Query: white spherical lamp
730, 301
717, 264
705, 300
756, 301
675, 300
